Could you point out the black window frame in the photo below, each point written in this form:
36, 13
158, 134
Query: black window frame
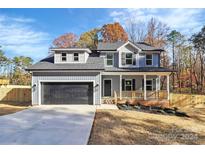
148, 60
77, 57
109, 59
63, 56
128, 58
132, 84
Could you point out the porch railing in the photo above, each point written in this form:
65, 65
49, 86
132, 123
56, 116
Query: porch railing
139, 94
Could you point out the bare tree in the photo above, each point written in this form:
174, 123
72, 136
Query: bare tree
136, 30
156, 33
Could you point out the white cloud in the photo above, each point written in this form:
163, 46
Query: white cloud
185, 20
18, 37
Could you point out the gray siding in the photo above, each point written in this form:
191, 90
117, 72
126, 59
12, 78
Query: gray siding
65, 76
128, 49
155, 60
142, 60
116, 59
116, 81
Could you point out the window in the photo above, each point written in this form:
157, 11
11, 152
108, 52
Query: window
149, 84
76, 57
109, 59
149, 59
63, 56
128, 84
129, 59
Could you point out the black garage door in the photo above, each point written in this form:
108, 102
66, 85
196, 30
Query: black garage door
67, 93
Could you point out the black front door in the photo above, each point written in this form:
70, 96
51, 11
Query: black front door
107, 87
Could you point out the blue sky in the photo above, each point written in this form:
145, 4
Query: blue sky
29, 32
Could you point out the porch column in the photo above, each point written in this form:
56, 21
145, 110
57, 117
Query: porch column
120, 87
157, 95
159, 82
167, 87
145, 89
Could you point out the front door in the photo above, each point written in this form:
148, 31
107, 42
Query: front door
107, 87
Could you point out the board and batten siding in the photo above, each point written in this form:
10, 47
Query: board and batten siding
65, 76
82, 56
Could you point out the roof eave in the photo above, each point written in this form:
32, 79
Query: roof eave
71, 49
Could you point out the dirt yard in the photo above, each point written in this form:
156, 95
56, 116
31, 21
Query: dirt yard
132, 127
9, 108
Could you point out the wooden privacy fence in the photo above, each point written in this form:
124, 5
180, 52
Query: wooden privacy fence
20, 94
186, 99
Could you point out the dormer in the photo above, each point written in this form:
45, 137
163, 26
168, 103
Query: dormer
128, 55
70, 55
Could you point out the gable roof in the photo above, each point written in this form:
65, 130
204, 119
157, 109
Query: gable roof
93, 63
109, 46
114, 46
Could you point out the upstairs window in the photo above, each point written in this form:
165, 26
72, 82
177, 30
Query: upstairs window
149, 59
76, 57
129, 59
63, 56
109, 58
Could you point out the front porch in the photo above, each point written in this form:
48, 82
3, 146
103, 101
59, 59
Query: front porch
135, 87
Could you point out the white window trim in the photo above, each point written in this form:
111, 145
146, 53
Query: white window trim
131, 84
63, 56
149, 85
109, 59
76, 56
149, 59
104, 87
129, 58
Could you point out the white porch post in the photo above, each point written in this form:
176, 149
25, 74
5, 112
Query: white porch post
120, 86
159, 82
167, 87
145, 89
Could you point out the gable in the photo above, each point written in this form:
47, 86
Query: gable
129, 47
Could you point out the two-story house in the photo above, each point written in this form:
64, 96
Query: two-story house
112, 72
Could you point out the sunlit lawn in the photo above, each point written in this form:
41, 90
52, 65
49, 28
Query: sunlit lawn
132, 127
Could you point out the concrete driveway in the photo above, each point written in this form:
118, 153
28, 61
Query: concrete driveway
65, 124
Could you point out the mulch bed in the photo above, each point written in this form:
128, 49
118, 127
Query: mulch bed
152, 109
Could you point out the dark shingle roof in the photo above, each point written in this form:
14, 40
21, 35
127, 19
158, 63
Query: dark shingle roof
140, 69
93, 63
113, 46
109, 46
147, 47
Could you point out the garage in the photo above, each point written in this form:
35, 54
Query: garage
67, 93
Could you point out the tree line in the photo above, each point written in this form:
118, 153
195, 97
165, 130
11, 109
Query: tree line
185, 54
14, 69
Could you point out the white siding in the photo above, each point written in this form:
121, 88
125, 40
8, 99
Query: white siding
82, 56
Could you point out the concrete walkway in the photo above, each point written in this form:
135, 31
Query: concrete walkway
65, 124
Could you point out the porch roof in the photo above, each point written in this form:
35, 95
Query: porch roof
139, 69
